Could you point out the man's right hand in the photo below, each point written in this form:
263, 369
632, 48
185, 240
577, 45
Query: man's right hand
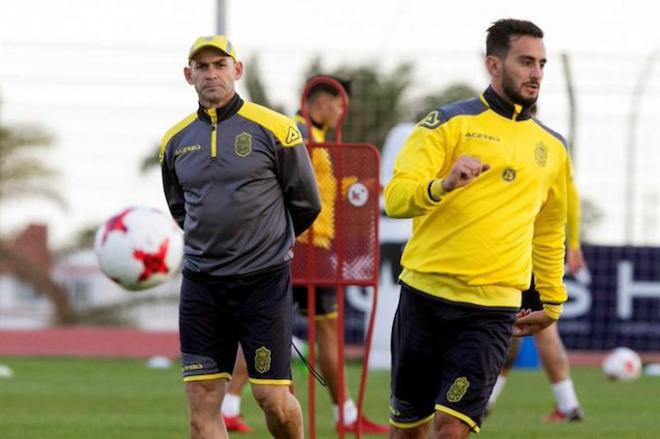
465, 169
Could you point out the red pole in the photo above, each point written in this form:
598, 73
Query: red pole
367, 352
372, 319
311, 339
341, 379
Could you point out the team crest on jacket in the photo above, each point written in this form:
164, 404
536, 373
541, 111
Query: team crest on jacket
458, 389
243, 144
262, 359
541, 154
509, 174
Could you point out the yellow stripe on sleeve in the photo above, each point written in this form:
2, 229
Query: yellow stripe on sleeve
173, 131
284, 128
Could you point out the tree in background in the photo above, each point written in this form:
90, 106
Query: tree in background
150, 161
25, 174
255, 86
452, 93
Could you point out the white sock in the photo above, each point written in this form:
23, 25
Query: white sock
231, 405
497, 389
565, 395
350, 411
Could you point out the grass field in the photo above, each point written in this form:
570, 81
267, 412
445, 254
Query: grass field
97, 399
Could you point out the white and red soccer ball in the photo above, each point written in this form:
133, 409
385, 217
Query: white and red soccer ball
622, 364
139, 247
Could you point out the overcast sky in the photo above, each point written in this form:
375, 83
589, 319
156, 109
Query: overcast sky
105, 78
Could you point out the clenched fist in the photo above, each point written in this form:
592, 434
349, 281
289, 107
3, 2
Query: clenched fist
465, 169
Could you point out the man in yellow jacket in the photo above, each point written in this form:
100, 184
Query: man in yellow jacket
485, 185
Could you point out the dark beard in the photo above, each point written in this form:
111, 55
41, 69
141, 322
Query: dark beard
512, 94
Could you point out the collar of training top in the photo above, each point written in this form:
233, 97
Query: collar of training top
504, 108
224, 112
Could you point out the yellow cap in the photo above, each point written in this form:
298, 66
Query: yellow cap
218, 41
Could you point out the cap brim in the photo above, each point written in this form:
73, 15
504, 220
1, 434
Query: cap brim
198, 49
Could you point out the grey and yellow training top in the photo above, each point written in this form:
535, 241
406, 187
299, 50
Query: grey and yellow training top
239, 182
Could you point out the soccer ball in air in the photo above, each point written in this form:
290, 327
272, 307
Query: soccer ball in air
139, 247
622, 364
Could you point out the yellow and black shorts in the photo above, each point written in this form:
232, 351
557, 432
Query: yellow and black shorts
445, 357
215, 314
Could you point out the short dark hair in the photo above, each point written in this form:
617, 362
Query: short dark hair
327, 88
498, 41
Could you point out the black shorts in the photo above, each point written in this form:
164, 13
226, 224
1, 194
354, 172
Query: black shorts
446, 357
325, 301
531, 299
216, 314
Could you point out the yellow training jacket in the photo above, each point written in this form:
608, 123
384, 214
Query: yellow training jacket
324, 226
477, 245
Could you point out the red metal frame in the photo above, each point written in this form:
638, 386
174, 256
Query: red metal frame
339, 283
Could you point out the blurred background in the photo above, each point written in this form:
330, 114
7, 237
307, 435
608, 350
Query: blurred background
88, 88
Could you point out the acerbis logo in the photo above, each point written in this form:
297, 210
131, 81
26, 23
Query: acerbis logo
482, 136
185, 149
194, 366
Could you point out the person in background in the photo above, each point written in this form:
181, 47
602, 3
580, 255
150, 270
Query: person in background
325, 108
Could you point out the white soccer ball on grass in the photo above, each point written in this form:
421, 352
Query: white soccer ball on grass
622, 364
139, 247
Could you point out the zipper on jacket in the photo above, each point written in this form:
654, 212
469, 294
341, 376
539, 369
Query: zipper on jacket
517, 111
214, 132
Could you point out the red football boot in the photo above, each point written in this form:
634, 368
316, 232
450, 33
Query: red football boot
575, 415
236, 424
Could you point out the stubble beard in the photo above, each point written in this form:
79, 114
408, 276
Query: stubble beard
214, 98
509, 88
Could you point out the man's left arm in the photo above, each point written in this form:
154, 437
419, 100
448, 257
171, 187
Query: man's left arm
548, 245
547, 261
